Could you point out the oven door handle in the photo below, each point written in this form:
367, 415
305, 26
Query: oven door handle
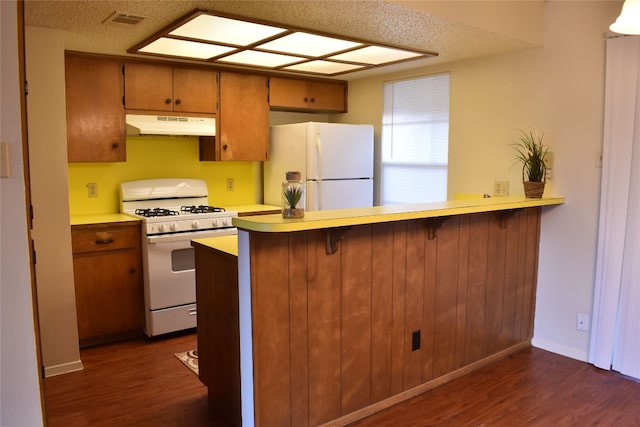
182, 237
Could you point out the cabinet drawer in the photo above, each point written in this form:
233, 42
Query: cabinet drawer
104, 239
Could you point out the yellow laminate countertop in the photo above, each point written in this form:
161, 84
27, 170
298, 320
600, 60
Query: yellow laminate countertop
275, 223
246, 210
227, 244
101, 218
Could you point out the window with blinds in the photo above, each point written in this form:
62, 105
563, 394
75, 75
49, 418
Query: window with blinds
415, 140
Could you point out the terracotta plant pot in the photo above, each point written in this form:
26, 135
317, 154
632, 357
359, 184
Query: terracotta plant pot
533, 190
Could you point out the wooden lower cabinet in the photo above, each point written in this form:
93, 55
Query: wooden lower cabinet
218, 330
107, 271
398, 307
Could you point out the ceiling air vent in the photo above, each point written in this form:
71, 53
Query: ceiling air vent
124, 19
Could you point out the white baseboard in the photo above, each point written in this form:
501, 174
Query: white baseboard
574, 353
51, 371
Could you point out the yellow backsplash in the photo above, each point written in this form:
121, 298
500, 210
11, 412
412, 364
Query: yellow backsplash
158, 157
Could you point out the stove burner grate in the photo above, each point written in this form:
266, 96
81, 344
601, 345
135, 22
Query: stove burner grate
200, 209
148, 213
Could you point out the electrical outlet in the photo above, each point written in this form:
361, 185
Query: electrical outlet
501, 188
230, 184
582, 322
92, 189
415, 340
548, 161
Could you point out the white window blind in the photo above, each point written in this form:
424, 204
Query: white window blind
415, 140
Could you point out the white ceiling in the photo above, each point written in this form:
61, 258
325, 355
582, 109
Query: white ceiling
455, 29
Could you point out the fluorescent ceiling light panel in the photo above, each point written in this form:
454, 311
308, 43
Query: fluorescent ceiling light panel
206, 36
308, 44
260, 59
376, 55
184, 48
323, 67
225, 30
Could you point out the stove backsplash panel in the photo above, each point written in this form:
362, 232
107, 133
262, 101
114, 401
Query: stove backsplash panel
158, 157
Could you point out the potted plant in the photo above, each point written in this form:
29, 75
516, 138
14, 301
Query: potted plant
532, 154
292, 195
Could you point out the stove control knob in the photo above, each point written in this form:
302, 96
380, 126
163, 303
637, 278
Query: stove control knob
173, 226
195, 224
215, 222
226, 222
161, 228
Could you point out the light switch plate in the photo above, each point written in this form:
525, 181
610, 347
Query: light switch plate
5, 160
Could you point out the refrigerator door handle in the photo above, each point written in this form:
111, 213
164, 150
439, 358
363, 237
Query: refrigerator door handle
318, 171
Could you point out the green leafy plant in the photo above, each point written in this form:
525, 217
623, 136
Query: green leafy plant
292, 195
531, 153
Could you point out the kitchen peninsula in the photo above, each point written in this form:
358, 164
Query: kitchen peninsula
340, 314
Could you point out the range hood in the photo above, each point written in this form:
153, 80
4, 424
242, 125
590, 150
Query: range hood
139, 124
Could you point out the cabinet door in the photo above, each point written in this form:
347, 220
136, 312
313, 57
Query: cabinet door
327, 96
109, 298
195, 90
95, 115
288, 93
148, 87
243, 117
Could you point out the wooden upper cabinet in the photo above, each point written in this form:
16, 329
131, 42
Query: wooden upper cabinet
95, 115
307, 95
195, 90
155, 87
242, 120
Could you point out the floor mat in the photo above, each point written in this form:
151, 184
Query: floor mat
190, 359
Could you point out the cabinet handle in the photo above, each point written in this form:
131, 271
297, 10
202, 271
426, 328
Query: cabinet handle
178, 101
313, 100
167, 101
115, 145
103, 238
132, 270
225, 146
306, 99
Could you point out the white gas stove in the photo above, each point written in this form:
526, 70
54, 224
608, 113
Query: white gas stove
186, 218
172, 206
173, 212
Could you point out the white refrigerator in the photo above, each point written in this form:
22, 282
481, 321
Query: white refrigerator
335, 160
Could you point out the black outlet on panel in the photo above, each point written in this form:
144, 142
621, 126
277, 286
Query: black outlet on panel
415, 340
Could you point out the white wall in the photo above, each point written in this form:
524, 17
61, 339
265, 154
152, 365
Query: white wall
558, 89
19, 386
50, 187
573, 98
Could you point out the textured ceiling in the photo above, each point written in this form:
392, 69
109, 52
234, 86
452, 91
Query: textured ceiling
377, 21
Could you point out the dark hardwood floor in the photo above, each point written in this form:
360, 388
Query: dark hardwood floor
134, 383
531, 388
141, 383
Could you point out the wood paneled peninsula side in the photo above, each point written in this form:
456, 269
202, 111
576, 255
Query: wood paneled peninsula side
329, 318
